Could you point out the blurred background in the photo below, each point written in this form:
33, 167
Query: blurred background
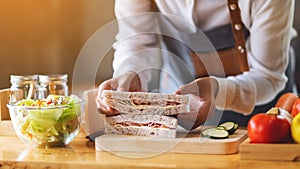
46, 36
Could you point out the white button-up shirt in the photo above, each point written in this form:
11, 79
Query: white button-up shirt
270, 25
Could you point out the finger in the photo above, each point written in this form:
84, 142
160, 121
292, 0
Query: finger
178, 91
106, 85
108, 113
196, 103
129, 82
100, 104
124, 83
122, 89
190, 88
104, 108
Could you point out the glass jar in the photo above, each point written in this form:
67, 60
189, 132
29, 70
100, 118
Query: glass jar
23, 87
53, 84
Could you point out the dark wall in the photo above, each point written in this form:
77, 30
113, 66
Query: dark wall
296, 44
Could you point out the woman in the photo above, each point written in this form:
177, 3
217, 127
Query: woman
268, 32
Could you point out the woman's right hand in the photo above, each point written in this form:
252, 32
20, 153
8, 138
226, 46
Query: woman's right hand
127, 82
203, 92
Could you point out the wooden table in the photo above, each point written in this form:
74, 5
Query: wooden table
81, 154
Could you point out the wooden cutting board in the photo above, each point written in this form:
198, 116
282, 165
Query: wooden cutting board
276, 152
184, 143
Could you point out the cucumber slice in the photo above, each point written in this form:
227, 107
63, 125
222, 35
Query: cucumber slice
236, 126
205, 132
221, 128
230, 126
215, 133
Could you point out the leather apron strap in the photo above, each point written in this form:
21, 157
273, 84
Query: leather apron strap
237, 28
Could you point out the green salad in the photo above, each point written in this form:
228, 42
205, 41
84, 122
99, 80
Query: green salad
50, 120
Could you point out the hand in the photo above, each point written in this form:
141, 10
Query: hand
127, 82
202, 97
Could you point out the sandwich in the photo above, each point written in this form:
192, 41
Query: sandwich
144, 114
142, 125
146, 103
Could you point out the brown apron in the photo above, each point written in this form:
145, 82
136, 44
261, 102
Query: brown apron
234, 60
228, 43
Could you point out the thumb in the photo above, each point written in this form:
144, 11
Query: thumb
122, 89
190, 88
178, 91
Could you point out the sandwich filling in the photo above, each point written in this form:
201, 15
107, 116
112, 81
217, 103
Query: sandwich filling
134, 124
143, 103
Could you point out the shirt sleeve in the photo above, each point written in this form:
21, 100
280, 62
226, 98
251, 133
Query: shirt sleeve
267, 48
136, 40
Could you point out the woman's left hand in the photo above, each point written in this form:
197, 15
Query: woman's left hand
202, 101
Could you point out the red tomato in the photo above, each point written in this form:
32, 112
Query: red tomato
268, 128
296, 107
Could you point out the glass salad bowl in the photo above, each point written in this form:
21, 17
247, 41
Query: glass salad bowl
50, 122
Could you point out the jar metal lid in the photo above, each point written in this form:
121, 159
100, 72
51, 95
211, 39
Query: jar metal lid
53, 77
23, 78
